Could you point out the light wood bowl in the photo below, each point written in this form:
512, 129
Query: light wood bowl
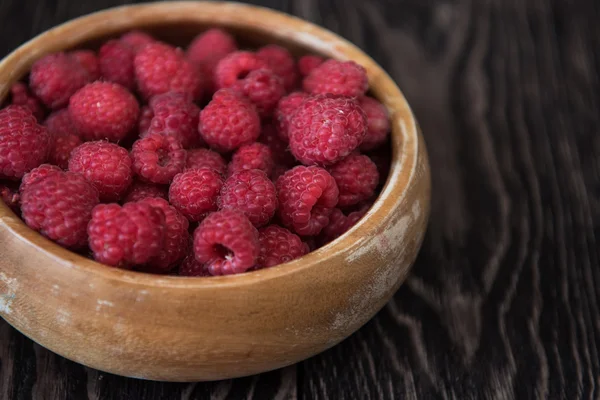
193, 329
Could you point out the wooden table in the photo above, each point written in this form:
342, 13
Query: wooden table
503, 300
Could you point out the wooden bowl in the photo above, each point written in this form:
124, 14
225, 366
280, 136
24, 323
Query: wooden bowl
192, 329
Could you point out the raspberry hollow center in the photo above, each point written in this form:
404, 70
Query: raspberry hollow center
224, 252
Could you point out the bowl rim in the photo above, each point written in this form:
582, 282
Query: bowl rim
273, 23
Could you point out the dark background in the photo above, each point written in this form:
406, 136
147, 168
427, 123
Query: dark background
503, 301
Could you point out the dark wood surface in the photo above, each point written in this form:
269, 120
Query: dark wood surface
502, 302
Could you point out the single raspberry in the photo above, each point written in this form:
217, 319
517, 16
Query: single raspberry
20, 96
160, 68
251, 192
325, 129
55, 78
205, 158
227, 242
24, 143
236, 66
158, 158
104, 110
60, 122
136, 39
285, 110
263, 88
140, 190
37, 174
339, 223
9, 193
88, 60
116, 63
176, 237
306, 197
378, 123
356, 177
281, 62
105, 165
59, 206
194, 192
190, 267
306, 64
341, 78
252, 156
383, 161
145, 119
61, 146
279, 149
174, 114
229, 121
126, 235
278, 246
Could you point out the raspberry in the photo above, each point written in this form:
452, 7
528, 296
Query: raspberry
252, 156
59, 206
24, 143
103, 110
356, 177
278, 246
21, 96
227, 242
306, 197
281, 62
251, 192
10, 196
176, 236
194, 192
190, 267
141, 190
307, 63
229, 121
236, 66
206, 50
158, 158
378, 123
61, 146
339, 223
342, 78
284, 111
174, 114
116, 63
55, 78
160, 68
279, 148
145, 119
88, 60
325, 129
263, 88
204, 158
105, 165
60, 122
136, 39
126, 235
37, 174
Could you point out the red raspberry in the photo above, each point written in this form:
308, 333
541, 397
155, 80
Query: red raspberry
59, 206
60, 122
55, 78
306, 64
194, 192
116, 63
252, 156
21, 97
341, 78
284, 111
104, 110
279, 149
263, 88
145, 119
382, 160
306, 197
10, 196
24, 143
229, 121
236, 66
278, 246
204, 158
126, 235
190, 267
206, 50
158, 158
281, 62
105, 165
141, 190
176, 237
251, 192
61, 146
356, 177
160, 68
339, 223
227, 242
325, 129
136, 39
378, 123
88, 60
37, 174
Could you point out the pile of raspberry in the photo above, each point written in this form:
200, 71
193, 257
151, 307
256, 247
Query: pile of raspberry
213, 160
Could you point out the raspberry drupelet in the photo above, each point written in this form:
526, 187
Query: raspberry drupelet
278, 245
194, 192
158, 158
356, 177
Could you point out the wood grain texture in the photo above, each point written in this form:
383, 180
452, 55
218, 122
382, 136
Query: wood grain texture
503, 302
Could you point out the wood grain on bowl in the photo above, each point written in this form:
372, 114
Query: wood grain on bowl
185, 329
